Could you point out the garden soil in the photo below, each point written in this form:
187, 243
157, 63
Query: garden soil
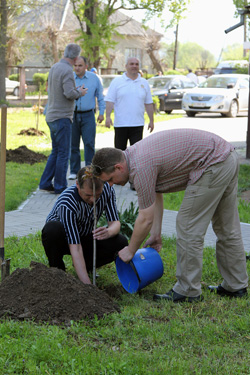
23, 155
44, 294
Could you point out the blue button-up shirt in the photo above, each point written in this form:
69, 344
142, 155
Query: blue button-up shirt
95, 90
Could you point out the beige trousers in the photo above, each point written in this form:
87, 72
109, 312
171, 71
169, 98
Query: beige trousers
212, 198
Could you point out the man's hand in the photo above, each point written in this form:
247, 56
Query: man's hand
108, 122
100, 118
125, 254
151, 126
101, 233
83, 91
155, 242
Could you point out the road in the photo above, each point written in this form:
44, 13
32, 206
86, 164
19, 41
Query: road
232, 129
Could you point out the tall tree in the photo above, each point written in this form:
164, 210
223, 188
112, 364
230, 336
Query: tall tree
96, 31
8, 40
190, 56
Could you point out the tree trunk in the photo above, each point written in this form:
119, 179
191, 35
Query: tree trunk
156, 63
3, 39
176, 47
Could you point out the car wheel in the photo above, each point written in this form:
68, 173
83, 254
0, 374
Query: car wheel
168, 112
233, 109
16, 91
191, 114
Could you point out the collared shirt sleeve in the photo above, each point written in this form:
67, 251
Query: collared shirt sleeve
111, 211
100, 98
148, 99
111, 94
69, 221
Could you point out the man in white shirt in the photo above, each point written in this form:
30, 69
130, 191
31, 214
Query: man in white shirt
193, 77
129, 95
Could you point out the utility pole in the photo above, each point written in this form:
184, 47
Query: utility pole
176, 46
243, 13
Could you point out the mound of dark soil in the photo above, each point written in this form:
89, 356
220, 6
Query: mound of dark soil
51, 295
23, 155
32, 132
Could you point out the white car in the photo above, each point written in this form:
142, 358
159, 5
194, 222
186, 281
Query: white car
223, 93
106, 80
12, 87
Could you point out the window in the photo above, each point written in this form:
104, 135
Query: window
133, 52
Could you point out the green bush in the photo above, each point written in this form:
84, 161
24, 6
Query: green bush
14, 77
156, 102
173, 72
40, 79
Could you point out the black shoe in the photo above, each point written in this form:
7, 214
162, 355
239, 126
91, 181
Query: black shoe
225, 293
50, 189
176, 297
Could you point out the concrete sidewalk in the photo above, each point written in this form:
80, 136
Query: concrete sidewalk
31, 215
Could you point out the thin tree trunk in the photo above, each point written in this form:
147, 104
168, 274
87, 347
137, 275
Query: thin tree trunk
3, 39
176, 47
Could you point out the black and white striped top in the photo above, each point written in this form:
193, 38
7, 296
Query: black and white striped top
77, 216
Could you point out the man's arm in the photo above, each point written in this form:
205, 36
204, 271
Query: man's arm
155, 233
109, 108
79, 263
142, 227
69, 87
111, 230
150, 111
100, 100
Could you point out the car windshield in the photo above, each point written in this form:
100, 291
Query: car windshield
219, 82
158, 82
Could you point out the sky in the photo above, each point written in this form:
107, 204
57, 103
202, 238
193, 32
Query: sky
204, 24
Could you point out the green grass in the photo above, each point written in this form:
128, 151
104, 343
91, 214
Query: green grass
146, 338
173, 201
22, 179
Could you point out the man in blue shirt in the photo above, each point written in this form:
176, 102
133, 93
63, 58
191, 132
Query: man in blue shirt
84, 123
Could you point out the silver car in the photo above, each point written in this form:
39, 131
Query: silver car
223, 93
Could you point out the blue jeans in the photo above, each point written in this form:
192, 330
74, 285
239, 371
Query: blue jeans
83, 125
57, 164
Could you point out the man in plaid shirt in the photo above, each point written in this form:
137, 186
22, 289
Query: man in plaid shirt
206, 167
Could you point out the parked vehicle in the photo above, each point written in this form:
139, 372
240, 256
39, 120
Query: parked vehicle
106, 80
230, 66
12, 87
170, 90
224, 93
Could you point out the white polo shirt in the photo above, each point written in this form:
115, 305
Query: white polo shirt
129, 97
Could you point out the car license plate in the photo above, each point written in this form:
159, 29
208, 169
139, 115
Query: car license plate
199, 104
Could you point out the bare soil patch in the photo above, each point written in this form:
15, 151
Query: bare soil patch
32, 132
23, 155
43, 294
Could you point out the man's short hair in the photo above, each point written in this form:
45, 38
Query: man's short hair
84, 59
132, 57
72, 51
85, 176
105, 160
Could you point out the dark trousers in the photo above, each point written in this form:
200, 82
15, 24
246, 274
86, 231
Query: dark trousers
132, 134
56, 246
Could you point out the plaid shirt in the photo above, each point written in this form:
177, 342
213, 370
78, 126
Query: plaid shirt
170, 160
